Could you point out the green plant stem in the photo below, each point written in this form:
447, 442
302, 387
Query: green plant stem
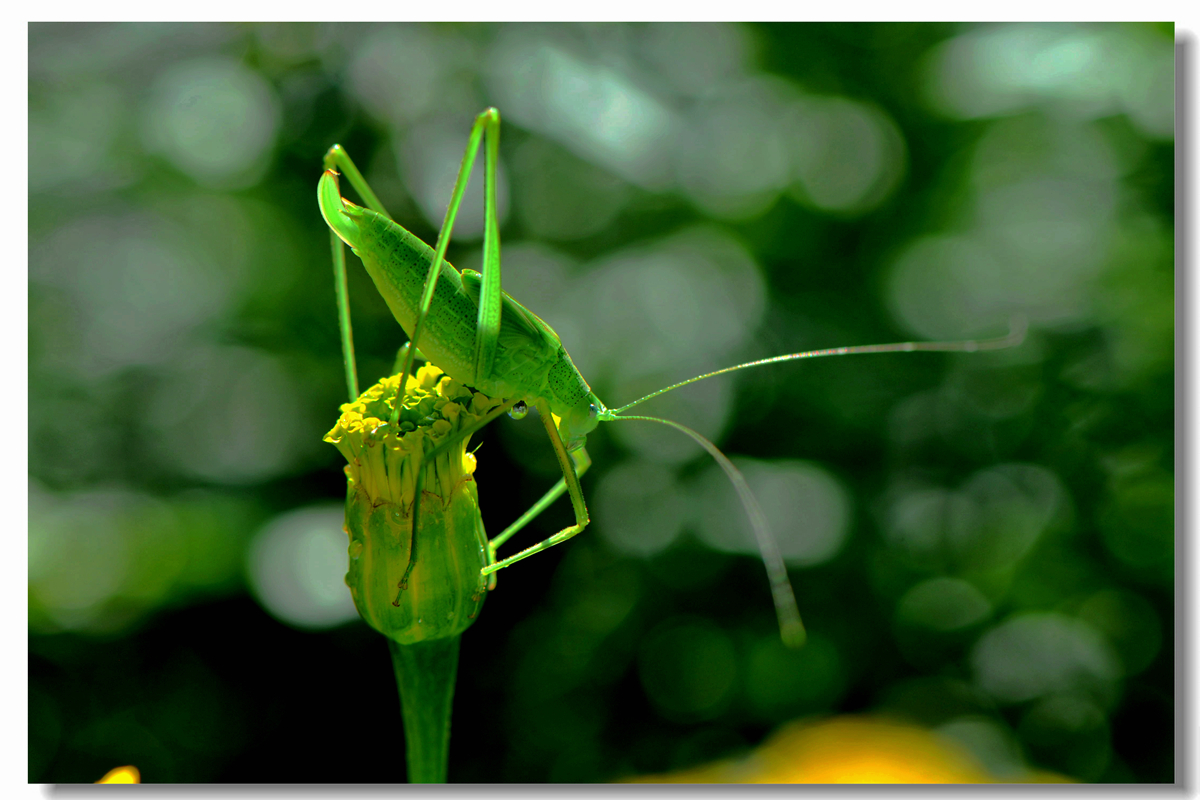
425, 673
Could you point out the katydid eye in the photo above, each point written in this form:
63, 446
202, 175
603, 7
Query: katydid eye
593, 411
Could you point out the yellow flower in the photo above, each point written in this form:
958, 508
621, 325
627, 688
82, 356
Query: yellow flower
848, 750
128, 774
439, 592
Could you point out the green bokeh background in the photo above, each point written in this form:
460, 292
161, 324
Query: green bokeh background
981, 543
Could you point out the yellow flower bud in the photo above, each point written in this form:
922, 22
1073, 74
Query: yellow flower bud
413, 586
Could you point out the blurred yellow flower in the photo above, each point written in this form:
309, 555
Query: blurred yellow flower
128, 774
848, 750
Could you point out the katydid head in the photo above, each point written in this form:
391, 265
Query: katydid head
580, 419
576, 408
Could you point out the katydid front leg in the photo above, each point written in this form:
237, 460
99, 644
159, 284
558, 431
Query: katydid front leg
581, 462
571, 482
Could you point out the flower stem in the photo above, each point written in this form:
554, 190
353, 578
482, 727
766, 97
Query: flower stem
425, 673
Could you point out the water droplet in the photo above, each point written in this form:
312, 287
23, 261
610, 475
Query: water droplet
519, 410
356, 549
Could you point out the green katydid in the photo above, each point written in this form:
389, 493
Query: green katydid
480, 336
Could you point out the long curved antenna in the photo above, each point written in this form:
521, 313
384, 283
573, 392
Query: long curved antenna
1016, 334
790, 626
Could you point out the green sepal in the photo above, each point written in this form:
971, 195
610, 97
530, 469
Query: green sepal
445, 590
414, 586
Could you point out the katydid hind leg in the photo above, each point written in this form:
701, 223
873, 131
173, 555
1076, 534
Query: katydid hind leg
484, 122
487, 327
489, 122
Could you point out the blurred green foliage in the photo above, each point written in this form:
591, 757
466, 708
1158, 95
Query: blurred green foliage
980, 543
